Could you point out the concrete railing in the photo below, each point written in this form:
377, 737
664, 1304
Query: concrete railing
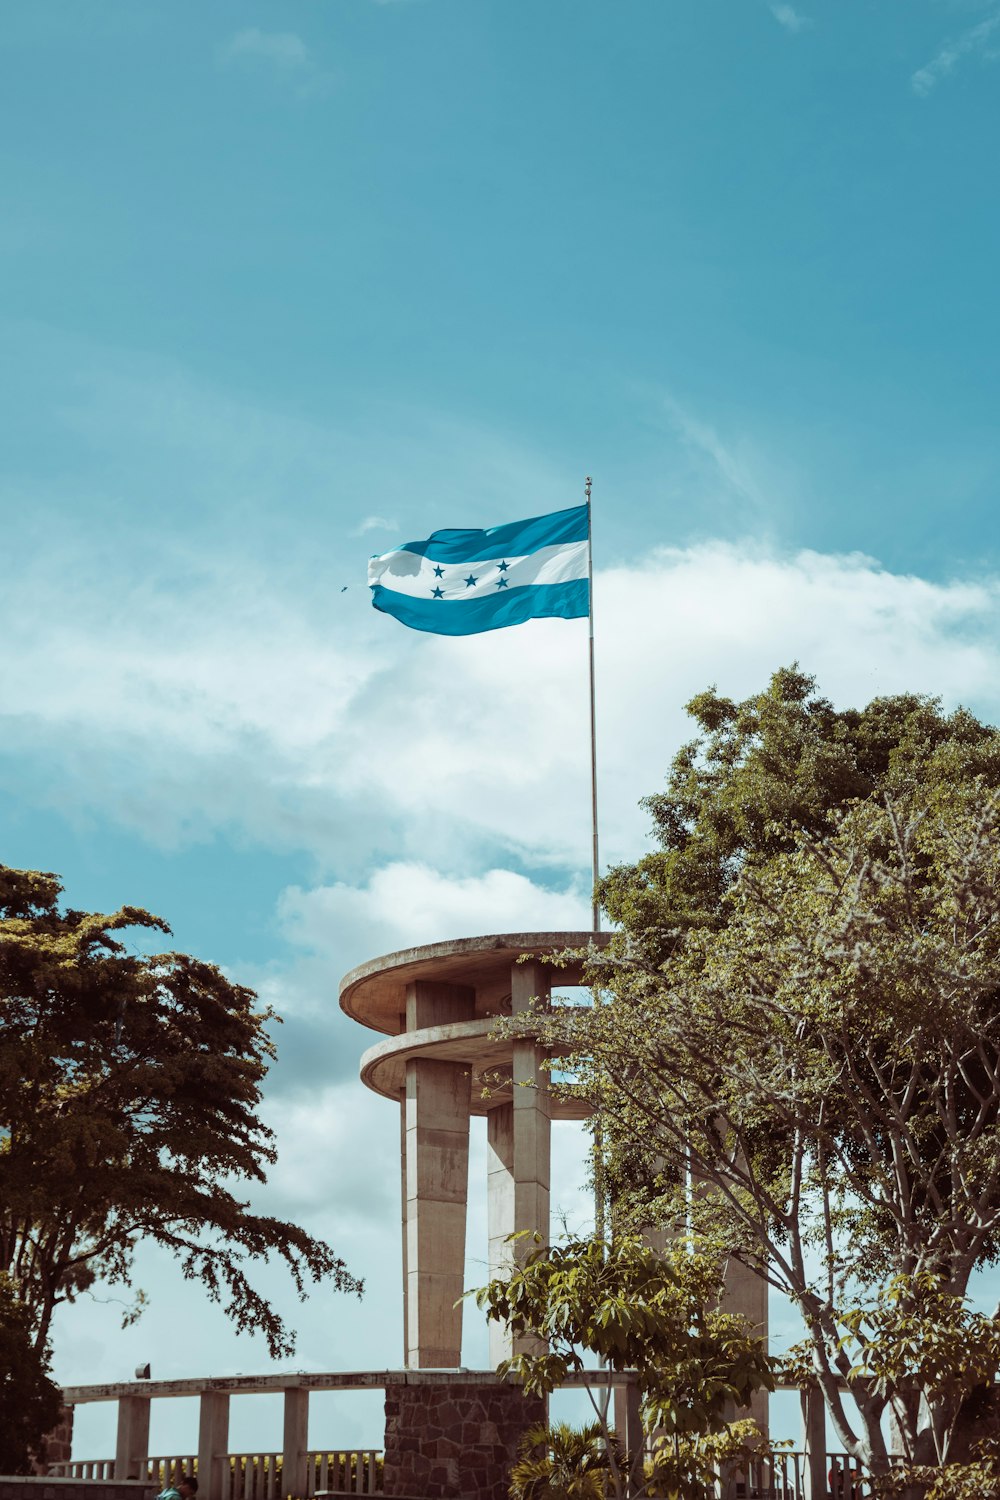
84, 1468
253, 1476
357, 1471
221, 1473
783, 1477
295, 1469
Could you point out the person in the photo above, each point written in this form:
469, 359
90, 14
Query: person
184, 1488
843, 1481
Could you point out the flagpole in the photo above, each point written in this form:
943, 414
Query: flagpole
600, 1207
595, 909
600, 1191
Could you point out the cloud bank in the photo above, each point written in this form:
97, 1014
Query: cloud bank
969, 43
296, 719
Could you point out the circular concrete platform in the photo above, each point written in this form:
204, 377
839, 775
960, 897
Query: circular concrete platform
375, 992
489, 1061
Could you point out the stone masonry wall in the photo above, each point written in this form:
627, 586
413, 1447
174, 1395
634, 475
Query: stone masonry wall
41, 1488
57, 1446
454, 1441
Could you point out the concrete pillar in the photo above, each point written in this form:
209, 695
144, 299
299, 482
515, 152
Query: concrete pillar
746, 1295
532, 1116
813, 1411
628, 1424
294, 1443
406, 1279
499, 1210
437, 1182
519, 1149
132, 1444
213, 1445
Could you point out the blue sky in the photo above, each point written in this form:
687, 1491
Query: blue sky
285, 284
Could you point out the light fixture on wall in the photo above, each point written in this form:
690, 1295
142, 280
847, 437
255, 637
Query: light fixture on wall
142, 1372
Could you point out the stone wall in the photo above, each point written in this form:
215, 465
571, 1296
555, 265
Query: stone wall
44, 1488
456, 1440
57, 1446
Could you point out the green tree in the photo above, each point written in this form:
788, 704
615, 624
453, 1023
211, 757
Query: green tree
799, 1048
30, 1402
657, 1316
129, 1087
561, 1463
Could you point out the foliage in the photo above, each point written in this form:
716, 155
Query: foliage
976, 1478
919, 1340
760, 773
799, 1046
656, 1315
129, 1087
688, 1468
30, 1402
561, 1463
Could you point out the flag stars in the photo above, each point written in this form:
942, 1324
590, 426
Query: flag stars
439, 572
437, 593
502, 567
501, 583
471, 581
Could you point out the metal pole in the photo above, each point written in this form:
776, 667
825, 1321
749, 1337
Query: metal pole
595, 911
600, 1205
600, 1192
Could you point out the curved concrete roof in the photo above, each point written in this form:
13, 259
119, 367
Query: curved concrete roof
489, 1060
375, 992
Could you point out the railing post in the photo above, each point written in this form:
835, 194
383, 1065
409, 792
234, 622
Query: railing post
628, 1420
132, 1445
295, 1442
213, 1445
814, 1442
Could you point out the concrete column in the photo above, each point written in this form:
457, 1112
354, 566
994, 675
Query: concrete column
628, 1419
437, 1182
813, 1411
519, 1149
132, 1445
499, 1209
531, 1108
532, 1116
746, 1295
406, 1279
294, 1443
213, 1445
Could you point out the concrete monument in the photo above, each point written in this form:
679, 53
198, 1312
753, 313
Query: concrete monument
440, 1063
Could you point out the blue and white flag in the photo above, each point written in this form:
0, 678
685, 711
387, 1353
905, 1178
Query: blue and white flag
462, 582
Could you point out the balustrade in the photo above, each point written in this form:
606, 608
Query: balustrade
296, 1469
253, 1476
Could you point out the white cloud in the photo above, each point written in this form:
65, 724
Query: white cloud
406, 903
730, 465
324, 1173
283, 48
302, 720
788, 17
374, 523
974, 40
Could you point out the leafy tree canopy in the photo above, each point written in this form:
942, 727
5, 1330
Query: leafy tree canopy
798, 1049
657, 1315
30, 1402
763, 771
129, 1089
